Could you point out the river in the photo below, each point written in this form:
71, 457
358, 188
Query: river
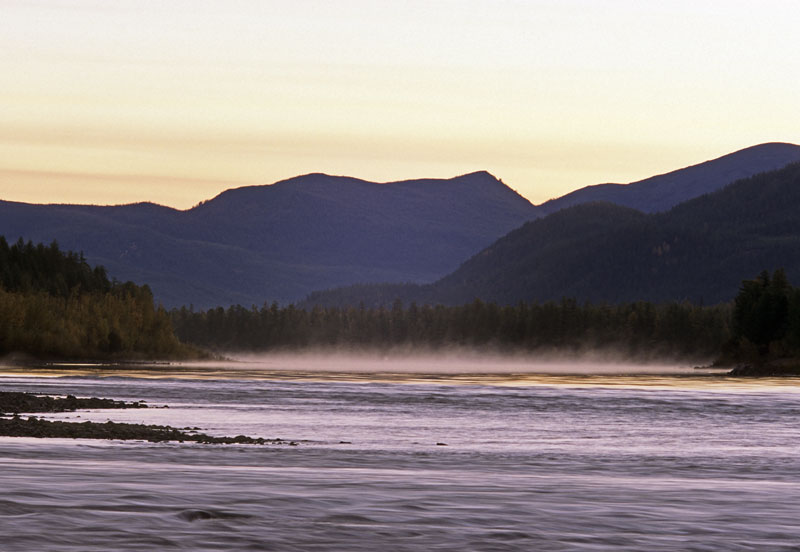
424, 456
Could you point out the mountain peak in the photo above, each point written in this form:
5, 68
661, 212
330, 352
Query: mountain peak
477, 177
479, 174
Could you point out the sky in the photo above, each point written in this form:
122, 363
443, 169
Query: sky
174, 101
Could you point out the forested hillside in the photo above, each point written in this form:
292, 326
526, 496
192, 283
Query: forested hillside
54, 305
699, 251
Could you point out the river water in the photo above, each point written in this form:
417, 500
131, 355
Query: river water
435, 458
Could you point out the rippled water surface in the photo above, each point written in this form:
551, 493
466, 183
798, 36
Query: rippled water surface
426, 460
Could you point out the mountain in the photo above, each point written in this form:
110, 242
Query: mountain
662, 192
281, 241
699, 251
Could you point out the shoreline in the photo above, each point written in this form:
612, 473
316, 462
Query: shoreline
765, 370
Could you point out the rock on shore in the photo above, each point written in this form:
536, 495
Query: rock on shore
16, 426
16, 402
38, 427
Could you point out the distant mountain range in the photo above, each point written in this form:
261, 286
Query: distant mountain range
698, 251
282, 241
279, 242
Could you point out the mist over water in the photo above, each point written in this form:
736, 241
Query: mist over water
453, 363
413, 454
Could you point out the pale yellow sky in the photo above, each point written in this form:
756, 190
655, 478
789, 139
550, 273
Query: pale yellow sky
174, 101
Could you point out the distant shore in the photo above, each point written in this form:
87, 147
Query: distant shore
769, 369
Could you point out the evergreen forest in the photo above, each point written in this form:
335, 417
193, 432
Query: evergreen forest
761, 327
766, 321
636, 330
54, 305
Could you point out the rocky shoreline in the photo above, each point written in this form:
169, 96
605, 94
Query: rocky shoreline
13, 425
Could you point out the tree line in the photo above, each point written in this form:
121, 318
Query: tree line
761, 325
53, 304
25, 267
640, 329
766, 320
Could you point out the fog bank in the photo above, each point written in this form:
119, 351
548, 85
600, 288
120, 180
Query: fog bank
452, 363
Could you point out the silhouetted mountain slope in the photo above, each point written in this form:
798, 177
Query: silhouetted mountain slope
279, 242
417, 228
662, 192
263, 243
699, 251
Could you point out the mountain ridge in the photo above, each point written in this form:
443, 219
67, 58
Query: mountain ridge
699, 251
281, 241
663, 191
278, 242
